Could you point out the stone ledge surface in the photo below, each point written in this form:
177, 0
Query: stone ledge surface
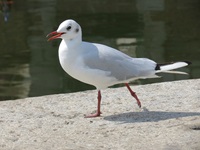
168, 120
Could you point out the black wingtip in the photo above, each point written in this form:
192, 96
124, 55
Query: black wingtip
157, 67
188, 62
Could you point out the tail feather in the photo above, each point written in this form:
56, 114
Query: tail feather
168, 67
175, 72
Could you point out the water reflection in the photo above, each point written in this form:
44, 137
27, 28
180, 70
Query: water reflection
160, 30
5, 6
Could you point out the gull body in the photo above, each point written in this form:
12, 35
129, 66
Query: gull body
102, 66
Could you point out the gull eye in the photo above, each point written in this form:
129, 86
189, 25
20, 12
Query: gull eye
68, 28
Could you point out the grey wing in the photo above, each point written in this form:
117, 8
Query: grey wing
120, 65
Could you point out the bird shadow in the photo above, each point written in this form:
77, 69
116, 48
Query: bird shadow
148, 116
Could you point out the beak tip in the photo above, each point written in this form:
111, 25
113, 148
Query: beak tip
53, 35
48, 35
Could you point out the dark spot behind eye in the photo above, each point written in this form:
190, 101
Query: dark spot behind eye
77, 29
68, 28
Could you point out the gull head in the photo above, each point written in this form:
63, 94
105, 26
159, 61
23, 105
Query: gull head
67, 30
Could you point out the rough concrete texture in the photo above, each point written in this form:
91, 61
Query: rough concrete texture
169, 120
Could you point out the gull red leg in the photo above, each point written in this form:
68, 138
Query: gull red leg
98, 112
133, 94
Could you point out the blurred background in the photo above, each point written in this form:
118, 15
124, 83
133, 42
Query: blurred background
162, 30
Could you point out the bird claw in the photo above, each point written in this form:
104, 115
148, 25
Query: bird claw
97, 114
139, 104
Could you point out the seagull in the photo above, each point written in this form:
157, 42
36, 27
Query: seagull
102, 66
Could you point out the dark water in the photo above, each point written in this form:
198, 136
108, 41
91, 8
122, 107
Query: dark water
162, 30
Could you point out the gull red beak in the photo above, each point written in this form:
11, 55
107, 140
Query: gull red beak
54, 35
